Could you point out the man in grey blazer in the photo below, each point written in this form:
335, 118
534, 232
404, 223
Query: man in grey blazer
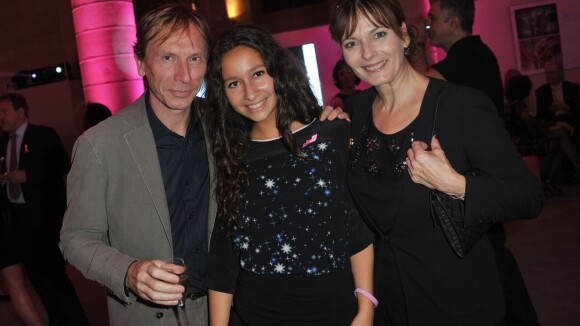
139, 187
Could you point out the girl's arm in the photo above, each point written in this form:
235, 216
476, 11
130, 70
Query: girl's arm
223, 266
362, 271
219, 308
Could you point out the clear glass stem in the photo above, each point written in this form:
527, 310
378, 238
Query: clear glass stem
182, 314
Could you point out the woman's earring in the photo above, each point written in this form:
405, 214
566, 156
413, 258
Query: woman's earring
407, 51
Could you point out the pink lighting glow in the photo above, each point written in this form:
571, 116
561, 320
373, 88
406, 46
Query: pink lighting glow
105, 34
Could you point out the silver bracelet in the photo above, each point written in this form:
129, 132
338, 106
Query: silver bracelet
460, 197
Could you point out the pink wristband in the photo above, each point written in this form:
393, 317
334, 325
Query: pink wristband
368, 295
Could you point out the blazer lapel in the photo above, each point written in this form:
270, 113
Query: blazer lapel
141, 144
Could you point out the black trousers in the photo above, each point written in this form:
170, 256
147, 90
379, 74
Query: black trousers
45, 268
519, 308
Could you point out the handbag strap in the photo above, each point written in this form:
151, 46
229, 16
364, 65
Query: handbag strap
429, 143
436, 109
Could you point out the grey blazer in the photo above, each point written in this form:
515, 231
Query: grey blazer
117, 210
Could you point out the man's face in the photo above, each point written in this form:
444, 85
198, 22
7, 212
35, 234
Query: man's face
174, 68
10, 119
438, 26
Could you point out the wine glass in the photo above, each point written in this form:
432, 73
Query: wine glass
177, 267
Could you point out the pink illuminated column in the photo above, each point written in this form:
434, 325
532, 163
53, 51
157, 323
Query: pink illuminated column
433, 54
105, 34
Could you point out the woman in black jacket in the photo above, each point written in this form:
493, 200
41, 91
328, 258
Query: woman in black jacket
396, 161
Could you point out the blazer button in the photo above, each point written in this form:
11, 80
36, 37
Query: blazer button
159, 315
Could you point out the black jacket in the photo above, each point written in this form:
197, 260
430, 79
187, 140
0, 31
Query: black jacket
43, 157
440, 288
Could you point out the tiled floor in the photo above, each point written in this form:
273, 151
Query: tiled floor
547, 249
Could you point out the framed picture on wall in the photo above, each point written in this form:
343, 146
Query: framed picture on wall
536, 35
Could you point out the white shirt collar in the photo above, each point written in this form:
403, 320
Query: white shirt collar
21, 130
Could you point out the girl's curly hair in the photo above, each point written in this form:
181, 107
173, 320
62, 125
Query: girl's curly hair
230, 132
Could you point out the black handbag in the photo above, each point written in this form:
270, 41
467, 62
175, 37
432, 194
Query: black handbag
447, 212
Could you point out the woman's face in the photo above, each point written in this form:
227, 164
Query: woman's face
375, 54
248, 86
347, 78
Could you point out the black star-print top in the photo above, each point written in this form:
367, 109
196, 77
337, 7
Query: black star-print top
297, 216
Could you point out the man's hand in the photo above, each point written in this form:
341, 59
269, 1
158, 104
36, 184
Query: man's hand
16, 176
146, 279
329, 113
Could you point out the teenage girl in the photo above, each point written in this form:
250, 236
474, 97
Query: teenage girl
287, 248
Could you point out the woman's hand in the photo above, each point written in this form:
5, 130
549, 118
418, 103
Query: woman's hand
329, 113
432, 169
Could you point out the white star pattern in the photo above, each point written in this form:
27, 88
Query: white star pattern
279, 268
286, 248
290, 221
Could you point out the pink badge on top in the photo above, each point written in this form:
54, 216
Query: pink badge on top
309, 141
